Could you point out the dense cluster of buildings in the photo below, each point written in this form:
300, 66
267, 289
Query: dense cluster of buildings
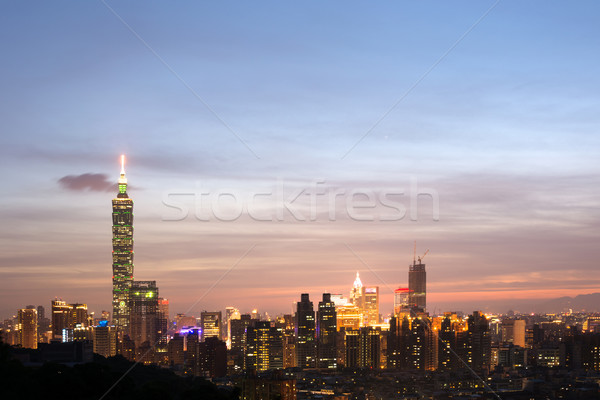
336, 334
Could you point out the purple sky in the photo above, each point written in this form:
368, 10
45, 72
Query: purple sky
241, 100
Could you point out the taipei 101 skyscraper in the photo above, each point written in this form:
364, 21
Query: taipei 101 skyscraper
122, 264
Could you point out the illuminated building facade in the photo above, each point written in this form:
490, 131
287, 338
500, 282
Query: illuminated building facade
122, 255
401, 302
105, 339
61, 312
366, 301
255, 355
371, 305
230, 313
28, 333
67, 316
238, 342
210, 321
326, 333
513, 331
362, 348
357, 293
412, 344
144, 315
479, 342
305, 333
349, 317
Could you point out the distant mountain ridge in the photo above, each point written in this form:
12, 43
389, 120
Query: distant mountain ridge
583, 302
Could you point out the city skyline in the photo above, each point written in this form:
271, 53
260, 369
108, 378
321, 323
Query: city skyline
503, 130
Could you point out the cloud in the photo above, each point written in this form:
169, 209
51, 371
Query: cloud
88, 181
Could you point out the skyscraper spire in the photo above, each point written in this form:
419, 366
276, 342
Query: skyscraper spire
122, 164
122, 179
357, 281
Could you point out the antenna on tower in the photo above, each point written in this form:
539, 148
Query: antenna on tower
415, 254
122, 164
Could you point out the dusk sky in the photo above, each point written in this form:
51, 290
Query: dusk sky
491, 107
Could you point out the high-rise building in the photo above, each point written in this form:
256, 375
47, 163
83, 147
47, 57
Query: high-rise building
175, 350
305, 333
257, 350
212, 358
28, 321
417, 286
479, 342
143, 312
513, 331
61, 312
43, 325
105, 339
238, 342
163, 320
122, 255
401, 302
326, 333
412, 343
210, 321
371, 306
349, 317
67, 316
230, 313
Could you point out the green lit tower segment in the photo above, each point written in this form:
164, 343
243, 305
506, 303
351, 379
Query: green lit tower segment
122, 263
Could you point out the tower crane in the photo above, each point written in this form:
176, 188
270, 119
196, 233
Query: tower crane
423, 256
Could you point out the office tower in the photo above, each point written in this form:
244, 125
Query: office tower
175, 350
371, 306
447, 345
122, 255
352, 348
67, 316
305, 333
264, 347
143, 313
105, 316
43, 324
257, 351
230, 313
61, 315
275, 346
370, 345
513, 331
79, 315
286, 323
210, 322
28, 322
163, 308
417, 286
401, 301
192, 341
412, 344
163, 320
41, 312
105, 339
479, 343
238, 342
212, 358
326, 333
